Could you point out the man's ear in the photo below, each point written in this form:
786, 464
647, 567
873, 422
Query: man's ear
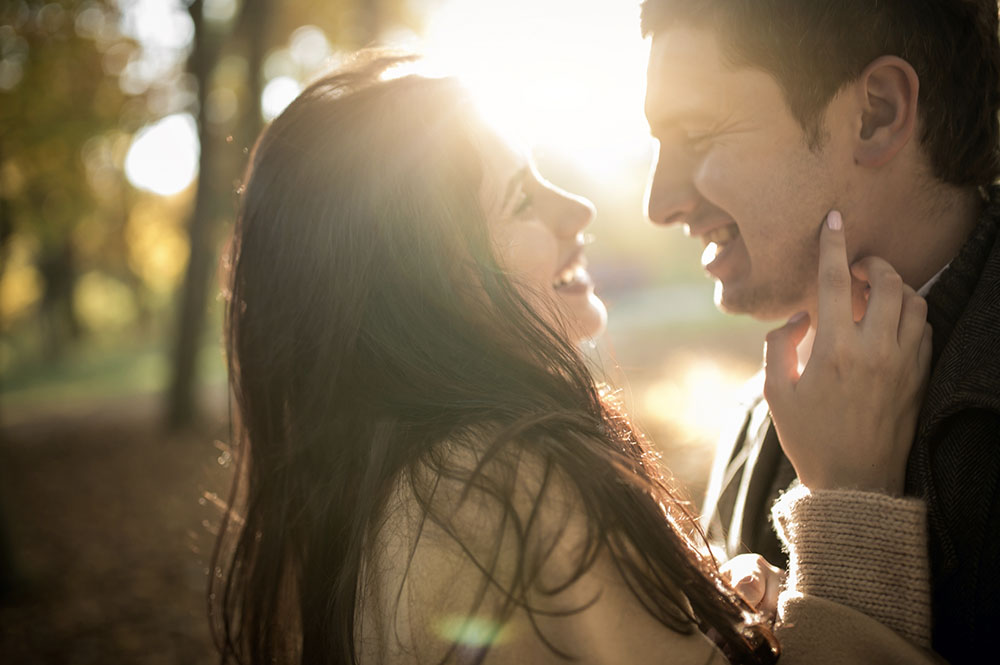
887, 96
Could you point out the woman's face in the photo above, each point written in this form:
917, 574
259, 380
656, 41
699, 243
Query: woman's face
537, 229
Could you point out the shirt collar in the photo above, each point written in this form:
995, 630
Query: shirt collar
925, 289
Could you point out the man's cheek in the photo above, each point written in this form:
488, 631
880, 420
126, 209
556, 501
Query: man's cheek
715, 177
729, 183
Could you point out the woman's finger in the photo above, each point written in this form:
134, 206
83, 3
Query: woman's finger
835, 312
885, 299
753, 588
911, 320
769, 604
755, 579
781, 360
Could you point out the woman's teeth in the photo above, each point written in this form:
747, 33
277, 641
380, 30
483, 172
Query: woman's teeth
572, 275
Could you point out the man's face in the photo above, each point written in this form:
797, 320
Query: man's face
734, 167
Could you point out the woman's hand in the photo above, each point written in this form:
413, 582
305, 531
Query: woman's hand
756, 580
848, 421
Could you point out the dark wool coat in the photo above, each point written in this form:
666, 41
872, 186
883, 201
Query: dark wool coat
954, 464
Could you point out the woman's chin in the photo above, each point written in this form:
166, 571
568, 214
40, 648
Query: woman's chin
587, 315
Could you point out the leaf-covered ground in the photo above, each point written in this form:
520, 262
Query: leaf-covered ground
111, 539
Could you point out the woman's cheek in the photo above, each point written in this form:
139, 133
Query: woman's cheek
530, 253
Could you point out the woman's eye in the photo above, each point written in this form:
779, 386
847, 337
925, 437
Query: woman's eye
522, 206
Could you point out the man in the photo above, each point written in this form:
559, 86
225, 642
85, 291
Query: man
769, 114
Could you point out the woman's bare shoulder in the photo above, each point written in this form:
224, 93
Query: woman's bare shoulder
499, 552
468, 498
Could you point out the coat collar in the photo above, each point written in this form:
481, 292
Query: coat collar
964, 312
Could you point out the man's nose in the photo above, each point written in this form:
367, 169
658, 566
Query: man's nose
672, 196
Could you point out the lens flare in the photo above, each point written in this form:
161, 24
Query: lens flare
473, 632
568, 79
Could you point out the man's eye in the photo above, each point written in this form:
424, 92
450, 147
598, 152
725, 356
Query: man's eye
700, 141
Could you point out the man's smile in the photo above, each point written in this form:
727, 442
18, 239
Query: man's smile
719, 244
721, 235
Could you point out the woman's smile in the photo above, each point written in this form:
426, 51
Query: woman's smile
538, 230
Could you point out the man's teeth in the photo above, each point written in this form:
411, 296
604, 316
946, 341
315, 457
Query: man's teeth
722, 235
717, 240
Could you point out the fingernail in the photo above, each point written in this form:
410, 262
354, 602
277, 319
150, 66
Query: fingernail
834, 220
798, 316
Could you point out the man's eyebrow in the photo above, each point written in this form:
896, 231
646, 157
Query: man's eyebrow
665, 121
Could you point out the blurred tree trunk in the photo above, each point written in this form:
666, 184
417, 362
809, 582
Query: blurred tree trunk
9, 576
181, 408
6, 223
252, 30
57, 265
211, 197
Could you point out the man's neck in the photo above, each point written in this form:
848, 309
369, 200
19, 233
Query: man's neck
936, 227
920, 249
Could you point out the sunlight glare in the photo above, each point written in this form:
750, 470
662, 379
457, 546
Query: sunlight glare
689, 394
158, 25
278, 93
567, 79
309, 47
163, 157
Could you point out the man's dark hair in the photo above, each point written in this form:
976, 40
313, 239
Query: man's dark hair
814, 48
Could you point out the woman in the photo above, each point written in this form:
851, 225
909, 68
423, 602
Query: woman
431, 474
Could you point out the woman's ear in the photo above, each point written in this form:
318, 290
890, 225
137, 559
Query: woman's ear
887, 95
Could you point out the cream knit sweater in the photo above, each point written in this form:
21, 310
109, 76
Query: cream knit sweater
858, 586
864, 550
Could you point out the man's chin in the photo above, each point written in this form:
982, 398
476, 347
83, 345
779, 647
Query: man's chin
751, 303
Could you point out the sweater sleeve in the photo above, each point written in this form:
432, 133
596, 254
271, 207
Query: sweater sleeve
858, 576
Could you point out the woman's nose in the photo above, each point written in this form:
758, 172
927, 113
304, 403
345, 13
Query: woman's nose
575, 213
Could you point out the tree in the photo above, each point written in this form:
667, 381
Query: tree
256, 31
201, 63
58, 90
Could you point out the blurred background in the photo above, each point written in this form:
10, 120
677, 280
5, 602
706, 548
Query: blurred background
124, 130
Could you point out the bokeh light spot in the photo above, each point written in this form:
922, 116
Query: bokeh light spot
278, 93
20, 283
163, 158
308, 47
103, 302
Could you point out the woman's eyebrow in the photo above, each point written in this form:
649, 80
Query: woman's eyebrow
515, 181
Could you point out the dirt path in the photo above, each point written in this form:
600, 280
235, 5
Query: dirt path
111, 539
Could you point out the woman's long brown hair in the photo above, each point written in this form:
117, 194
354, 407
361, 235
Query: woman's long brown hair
355, 352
